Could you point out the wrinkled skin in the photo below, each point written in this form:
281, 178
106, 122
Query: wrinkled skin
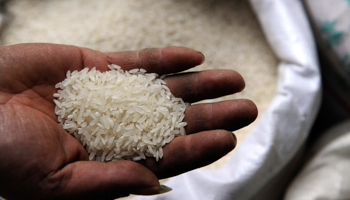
40, 160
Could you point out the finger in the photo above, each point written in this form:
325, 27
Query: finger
74, 150
99, 180
195, 86
229, 115
189, 152
157, 60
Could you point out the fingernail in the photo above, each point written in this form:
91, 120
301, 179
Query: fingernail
234, 136
152, 190
202, 56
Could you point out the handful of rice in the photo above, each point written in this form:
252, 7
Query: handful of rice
119, 114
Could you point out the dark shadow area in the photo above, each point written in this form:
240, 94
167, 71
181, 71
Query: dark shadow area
5, 18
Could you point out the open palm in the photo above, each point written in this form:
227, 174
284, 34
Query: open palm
40, 160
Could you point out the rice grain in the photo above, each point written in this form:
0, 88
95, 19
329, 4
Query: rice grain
119, 114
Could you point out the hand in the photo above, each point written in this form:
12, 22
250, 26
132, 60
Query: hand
40, 160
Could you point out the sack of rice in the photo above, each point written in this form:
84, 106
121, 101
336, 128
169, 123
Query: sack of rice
119, 114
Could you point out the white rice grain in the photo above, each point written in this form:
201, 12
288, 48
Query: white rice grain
119, 114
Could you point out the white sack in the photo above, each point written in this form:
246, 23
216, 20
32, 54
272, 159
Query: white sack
326, 174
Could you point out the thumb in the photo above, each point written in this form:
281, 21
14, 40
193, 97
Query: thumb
99, 180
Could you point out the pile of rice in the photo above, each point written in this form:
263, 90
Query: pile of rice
119, 114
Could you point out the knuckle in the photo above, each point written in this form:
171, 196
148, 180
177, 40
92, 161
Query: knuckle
149, 57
